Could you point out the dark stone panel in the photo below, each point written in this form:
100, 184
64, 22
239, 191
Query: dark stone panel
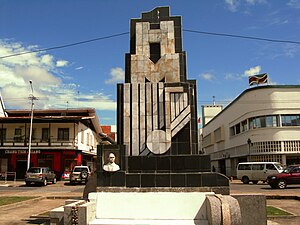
177, 164
117, 178
191, 163
204, 163
103, 179
148, 163
133, 180
163, 163
134, 163
209, 179
127, 68
147, 180
193, 180
163, 180
178, 180
222, 180
177, 21
120, 115
184, 148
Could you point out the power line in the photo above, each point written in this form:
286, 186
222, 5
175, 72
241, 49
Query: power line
241, 36
65, 46
124, 33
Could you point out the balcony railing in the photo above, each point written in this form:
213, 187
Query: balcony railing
51, 142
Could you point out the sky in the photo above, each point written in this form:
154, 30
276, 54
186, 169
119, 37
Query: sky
86, 75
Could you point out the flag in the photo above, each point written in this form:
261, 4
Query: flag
199, 120
258, 79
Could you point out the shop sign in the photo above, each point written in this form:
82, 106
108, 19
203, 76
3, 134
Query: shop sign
22, 152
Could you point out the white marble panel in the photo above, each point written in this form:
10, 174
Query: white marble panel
185, 100
181, 103
181, 125
180, 117
154, 98
176, 104
174, 89
149, 108
126, 89
127, 129
172, 106
161, 105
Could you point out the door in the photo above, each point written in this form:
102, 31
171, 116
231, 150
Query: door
21, 169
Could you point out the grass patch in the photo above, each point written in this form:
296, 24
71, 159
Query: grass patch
13, 199
272, 211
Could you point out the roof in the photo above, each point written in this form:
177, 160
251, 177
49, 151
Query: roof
250, 90
76, 114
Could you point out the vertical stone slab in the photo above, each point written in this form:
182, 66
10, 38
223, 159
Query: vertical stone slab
149, 108
172, 105
177, 105
155, 106
135, 119
142, 116
127, 116
161, 105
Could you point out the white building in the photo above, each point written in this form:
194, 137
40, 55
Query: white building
261, 124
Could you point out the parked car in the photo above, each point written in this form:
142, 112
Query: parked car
80, 174
291, 175
257, 171
40, 175
65, 175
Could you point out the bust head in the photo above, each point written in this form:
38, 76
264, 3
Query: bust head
111, 157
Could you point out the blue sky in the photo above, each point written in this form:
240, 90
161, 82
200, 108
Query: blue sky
86, 75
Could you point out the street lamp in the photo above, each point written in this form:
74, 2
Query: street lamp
31, 97
249, 147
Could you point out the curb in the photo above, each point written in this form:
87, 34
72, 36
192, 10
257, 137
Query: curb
13, 205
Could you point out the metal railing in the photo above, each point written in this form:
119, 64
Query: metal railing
4, 176
39, 142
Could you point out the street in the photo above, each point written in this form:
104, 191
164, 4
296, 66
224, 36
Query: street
54, 195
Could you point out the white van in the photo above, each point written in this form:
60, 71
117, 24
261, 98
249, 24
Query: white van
257, 171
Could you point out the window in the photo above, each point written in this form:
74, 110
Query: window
290, 120
244, 167
244, 125
82, 136
154, 52
63, 134
2, 134
237, 129
258, 166
45, 134
88, 139
18, 134
263, 121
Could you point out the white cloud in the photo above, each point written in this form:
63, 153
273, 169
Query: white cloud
295, 4
79, 68
117, 75
49, 86
47, 60
61, 63
234, 5
252, 71
231, 76
207, 76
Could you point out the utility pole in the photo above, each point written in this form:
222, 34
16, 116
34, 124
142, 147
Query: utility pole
32, 98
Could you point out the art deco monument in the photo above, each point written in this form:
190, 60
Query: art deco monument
157, 105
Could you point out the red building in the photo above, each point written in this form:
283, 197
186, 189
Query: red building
61, 139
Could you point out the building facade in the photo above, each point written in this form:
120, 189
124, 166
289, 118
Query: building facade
261, 124
61, 139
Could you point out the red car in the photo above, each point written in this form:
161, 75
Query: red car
291, 175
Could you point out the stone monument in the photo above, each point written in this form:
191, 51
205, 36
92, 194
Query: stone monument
161, 178
157, 114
